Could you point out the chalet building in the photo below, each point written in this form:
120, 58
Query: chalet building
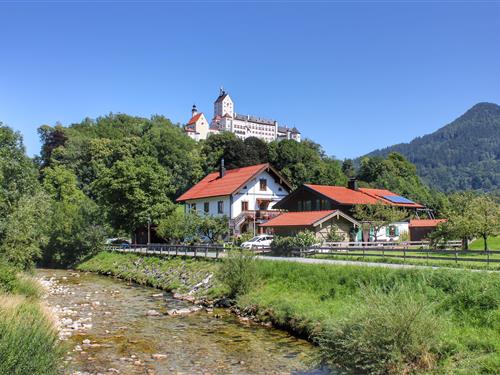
319, 207
243, 126
246, 196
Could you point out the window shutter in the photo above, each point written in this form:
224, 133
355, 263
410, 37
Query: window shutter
387, 231
397, 231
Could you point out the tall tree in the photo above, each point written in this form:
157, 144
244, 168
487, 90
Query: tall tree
133, 191
378, 215
76, 226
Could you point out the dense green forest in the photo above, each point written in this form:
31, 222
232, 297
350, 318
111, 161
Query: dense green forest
111, 175
462, 155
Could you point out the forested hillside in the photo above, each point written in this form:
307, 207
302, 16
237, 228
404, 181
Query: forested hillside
462, 155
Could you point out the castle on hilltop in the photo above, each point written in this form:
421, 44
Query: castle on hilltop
244, 126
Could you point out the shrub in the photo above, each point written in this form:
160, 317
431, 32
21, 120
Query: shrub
284, 246
8, 280
238, 272
394, 332
335, 235
243, 238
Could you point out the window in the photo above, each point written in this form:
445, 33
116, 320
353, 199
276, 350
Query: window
193, 207
244, 206
220, 207
206, 207
307, 205
392, 231
263, 184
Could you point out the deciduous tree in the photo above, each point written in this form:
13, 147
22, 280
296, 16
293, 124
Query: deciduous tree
378, 215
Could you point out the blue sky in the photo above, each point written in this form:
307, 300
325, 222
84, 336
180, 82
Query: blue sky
351, 76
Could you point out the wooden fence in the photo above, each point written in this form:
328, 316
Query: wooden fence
402, 252
207, 251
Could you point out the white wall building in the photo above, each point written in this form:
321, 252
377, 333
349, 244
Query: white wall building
244, 126
246, 196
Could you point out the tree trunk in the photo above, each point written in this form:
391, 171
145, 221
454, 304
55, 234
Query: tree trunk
465, 243
485, 238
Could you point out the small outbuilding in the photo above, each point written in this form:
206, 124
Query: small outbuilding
320, 223
421, 228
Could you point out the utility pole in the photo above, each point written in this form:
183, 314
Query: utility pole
149, 230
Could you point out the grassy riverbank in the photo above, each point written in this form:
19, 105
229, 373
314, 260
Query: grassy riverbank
28, 339
374, 320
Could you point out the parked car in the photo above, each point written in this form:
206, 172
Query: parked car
264, 240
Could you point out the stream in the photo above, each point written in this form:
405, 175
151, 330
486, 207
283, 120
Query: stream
114, 327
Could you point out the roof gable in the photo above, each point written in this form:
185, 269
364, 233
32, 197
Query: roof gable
214, 186
306, 218
195, 118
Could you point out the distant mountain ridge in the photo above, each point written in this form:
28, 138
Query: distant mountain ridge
461, 155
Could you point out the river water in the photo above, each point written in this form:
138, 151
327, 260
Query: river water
109, 331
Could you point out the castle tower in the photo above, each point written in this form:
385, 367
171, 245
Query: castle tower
223, 105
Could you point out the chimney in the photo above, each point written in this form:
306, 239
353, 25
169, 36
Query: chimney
194, 111
352, 184
222, 170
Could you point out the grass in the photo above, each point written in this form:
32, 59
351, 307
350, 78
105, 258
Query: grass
28, 339
378, 257
493, 243
171, 274
449, 320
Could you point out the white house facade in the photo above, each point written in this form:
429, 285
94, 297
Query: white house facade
246, 196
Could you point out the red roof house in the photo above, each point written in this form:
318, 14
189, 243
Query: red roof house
246, 196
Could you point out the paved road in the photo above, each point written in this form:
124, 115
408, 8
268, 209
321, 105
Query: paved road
300, 260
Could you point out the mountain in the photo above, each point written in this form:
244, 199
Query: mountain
461, 155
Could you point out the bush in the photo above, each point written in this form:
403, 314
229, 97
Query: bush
284, 246
394, 332
238, 272
243, 238
335, 235
8, 280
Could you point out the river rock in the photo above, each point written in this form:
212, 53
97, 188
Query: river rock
152, 313
159, 356
223, 302
183, 311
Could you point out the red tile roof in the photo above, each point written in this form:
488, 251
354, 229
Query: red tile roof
214, 186
297, 219
194, 118
343, 195
381, 193
426, 222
